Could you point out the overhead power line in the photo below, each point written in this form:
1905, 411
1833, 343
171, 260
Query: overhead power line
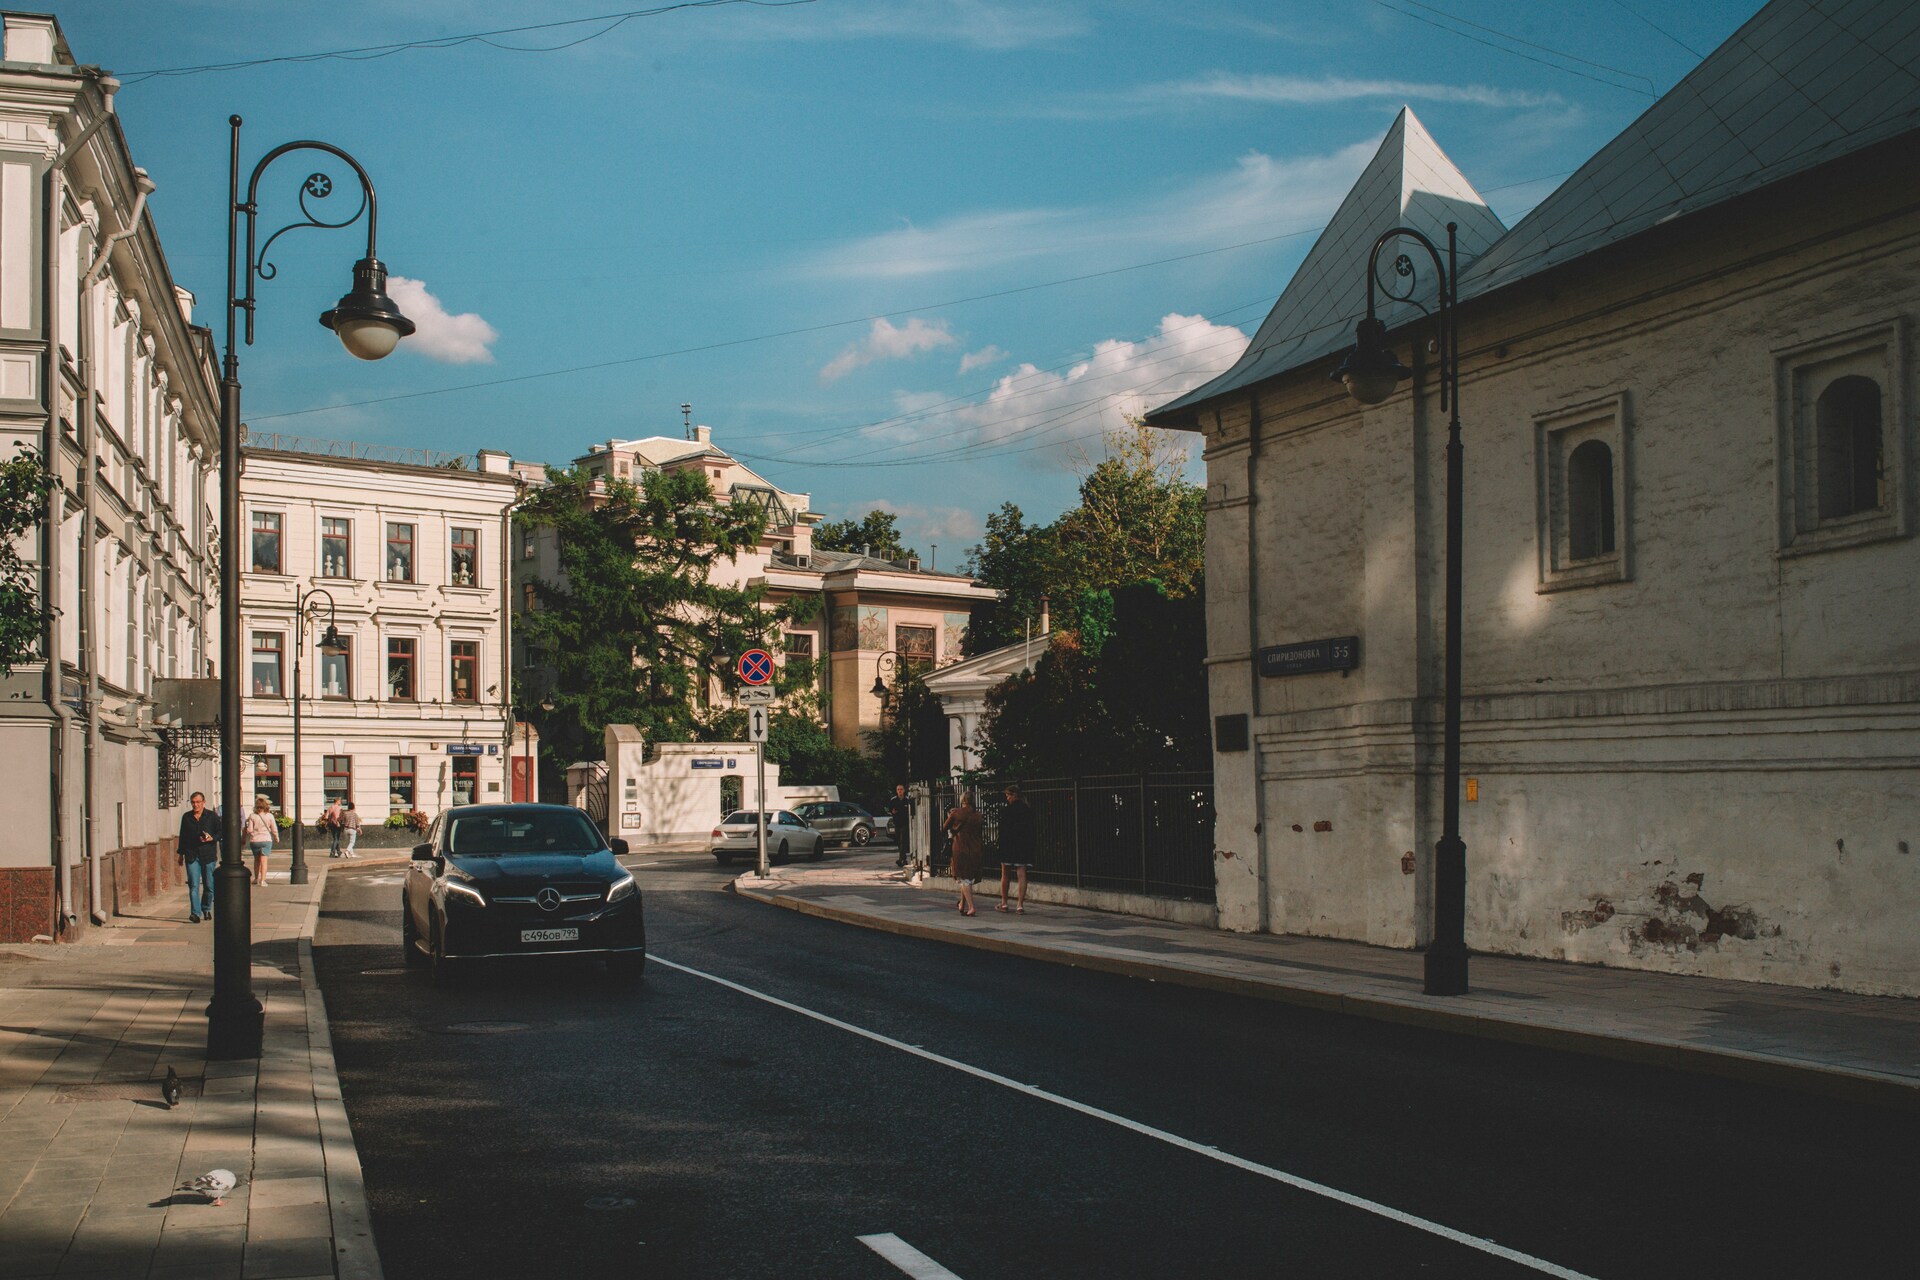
1439, 14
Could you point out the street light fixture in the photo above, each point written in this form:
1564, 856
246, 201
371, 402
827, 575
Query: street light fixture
1371, 371
234, 1016
332, 645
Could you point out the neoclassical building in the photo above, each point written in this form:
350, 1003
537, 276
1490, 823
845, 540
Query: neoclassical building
1691, 622
105, 375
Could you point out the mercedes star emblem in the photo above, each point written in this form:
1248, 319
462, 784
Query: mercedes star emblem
548, 899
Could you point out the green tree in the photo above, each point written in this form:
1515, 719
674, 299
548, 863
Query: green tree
1020, 561
631, 632
875, 533
25, 483
1139, 519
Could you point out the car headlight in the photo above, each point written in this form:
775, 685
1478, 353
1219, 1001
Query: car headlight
621, 888
467, 891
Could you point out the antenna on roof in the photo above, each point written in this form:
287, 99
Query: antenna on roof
686, 422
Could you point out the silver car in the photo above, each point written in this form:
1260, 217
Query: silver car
838, 821
788, 836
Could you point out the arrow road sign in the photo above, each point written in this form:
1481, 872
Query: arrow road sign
756, 724
756, 695
756, 666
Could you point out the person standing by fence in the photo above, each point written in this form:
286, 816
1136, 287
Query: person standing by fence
965, 824
198, 847
900, 818
1016, 846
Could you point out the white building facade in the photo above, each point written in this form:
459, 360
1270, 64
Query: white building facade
409, 563
1691, 648
104, 374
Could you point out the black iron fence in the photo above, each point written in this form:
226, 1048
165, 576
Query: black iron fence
1127, 833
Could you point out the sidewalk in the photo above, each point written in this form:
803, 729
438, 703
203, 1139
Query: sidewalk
89, 1153
1863, 1048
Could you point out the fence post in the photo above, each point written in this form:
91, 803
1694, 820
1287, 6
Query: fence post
1076, 834
1143, 834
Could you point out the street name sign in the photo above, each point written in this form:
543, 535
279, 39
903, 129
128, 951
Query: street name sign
1340, 653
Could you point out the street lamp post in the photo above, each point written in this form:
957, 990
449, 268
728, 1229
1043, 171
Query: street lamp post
889, 662
1371, 372
369, 326
331, 645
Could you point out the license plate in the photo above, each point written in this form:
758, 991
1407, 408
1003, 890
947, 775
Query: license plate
549, 935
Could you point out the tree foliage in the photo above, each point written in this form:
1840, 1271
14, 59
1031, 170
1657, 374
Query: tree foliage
874, 533
25, 483
636, 624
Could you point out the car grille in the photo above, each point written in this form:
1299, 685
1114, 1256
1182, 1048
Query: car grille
570, 894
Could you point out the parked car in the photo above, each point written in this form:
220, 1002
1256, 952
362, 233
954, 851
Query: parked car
520, 880
839, 822
788, 836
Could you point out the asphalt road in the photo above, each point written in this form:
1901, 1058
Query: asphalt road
690, 1128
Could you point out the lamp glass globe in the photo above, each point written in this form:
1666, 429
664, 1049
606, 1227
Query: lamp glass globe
368, 339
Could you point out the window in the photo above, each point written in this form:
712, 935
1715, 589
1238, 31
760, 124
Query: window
526, 544
529, 598
915, 645
400, 783
1843, 439
1590, 501
336, 547
266, 542
399, 553
1850, 458
336, 671
465, 661
400, 668
336, 777
269, 780
1583, 514
800, 645
266, 664
466, 779
466, 557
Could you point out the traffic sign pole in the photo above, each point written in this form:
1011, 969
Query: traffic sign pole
760, 770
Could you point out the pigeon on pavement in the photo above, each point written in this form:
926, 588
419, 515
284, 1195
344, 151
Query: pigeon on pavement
214, 1185
170, 1088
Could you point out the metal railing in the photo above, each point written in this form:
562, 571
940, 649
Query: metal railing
276, 442
1149, 834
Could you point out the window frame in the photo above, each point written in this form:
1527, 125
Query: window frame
328, 772
915, 662
412, 657
454, 546
346, 555
278, 648
412, 543
455, 660
1802, 373
412, 775
346, 661
261, 786
1558, 434
464, 767
279, 532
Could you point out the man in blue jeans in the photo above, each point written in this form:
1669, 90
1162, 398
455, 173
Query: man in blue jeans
199, 847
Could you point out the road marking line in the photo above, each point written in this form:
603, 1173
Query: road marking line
1173, 1139
905, 1256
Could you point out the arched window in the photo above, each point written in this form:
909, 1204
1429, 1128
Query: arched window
1590, 501
1849, 447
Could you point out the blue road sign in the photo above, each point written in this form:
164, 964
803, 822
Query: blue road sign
756, 666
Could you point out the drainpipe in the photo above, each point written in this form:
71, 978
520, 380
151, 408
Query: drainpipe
1264, 918
88, 550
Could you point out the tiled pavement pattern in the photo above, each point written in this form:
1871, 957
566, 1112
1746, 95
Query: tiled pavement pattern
1861, 1047
87, 1181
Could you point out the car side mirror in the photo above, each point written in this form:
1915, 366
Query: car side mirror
619, 848
423, 853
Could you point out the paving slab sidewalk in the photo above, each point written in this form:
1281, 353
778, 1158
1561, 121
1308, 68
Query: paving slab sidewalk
1864, 1048
90, 1155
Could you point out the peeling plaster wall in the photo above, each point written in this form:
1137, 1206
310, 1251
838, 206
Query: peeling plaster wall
1708, 766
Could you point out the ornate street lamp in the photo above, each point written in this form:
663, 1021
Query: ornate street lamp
369, 325
1371, 372
332, 646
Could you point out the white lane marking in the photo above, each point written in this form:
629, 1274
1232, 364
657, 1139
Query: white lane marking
1347, 1198
905, 1256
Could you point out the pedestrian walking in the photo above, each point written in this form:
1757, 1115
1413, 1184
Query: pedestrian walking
198, 847
965, 825
900, 817
261, 829
1016, 846
349, 830
330, 819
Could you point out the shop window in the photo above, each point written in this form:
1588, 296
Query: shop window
400, 784
336, 671
464, 658
466, 557
269, 780
466, 779
266, 542
336, 778
267, 656
400, 673
399, 553
336, 547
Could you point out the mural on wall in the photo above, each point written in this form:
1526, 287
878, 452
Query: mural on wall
873, 626
845, 630
954, 636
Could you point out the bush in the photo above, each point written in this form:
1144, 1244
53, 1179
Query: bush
398, 821
285, 823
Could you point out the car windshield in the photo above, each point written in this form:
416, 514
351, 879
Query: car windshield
505, 834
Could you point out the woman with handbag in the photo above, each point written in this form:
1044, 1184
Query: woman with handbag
261, 829
966, 826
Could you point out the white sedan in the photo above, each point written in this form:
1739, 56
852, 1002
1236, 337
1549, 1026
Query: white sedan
788, 836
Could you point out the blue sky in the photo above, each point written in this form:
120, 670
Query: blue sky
993, 179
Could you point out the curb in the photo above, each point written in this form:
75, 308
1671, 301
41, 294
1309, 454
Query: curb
1869, 1087
355, 1255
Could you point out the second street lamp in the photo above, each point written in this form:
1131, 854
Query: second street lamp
1371, 372
235, 1022
333, 647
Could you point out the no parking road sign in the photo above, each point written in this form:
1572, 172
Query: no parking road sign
756, 666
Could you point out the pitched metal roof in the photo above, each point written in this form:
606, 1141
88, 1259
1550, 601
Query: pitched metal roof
1802, 83
1409, 182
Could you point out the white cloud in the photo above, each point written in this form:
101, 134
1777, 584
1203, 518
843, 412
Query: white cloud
980, 359
1258, 194
922, 526
455, 339
888, 341
1303, 91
